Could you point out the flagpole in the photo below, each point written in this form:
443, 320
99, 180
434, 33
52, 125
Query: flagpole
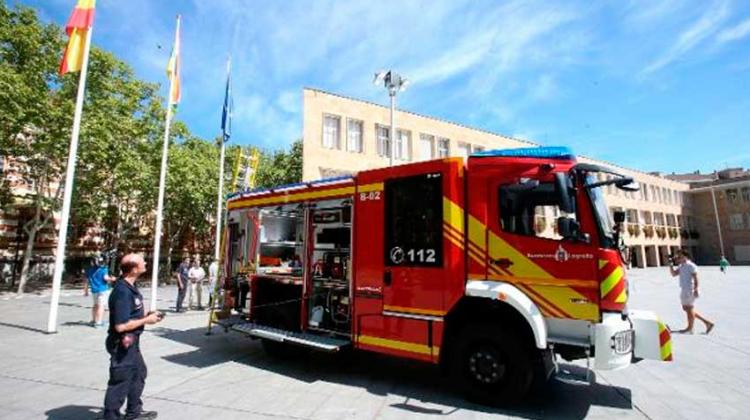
162, 185
219, 199
62, 234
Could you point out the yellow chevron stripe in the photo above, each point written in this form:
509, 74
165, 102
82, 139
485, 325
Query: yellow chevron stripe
564, 298
453, 214
665, 349
450, 231
477, 232
602, 263
475, 257
476, 249
622, 297
547, 309
399, 345
454, 241
611, 281
522, 266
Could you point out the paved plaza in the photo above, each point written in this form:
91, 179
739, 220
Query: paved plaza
228, 376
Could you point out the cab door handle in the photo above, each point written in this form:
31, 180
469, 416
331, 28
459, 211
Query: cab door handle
387, 278
503, 263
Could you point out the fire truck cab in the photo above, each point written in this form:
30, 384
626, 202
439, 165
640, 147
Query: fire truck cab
448, 261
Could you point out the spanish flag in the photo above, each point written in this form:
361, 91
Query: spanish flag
78, 27
173, 69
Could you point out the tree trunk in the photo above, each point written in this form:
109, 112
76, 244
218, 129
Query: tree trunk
27, 257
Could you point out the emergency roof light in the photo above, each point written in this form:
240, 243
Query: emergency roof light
551, 152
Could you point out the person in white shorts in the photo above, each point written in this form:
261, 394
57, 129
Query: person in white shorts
688, 274
196, 275
99, 282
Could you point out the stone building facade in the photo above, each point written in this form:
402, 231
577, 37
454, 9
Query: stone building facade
344, 135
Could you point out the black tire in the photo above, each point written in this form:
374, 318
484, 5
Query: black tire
492, 366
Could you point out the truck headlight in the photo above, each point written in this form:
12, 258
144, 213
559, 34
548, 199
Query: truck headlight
622, 342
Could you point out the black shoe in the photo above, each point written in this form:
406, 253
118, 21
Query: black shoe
143, 415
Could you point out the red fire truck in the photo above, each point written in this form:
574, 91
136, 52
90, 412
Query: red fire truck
448, 261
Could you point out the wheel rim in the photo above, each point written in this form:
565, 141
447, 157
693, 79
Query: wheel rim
486, 365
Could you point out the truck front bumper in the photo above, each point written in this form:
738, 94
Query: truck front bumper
619, 339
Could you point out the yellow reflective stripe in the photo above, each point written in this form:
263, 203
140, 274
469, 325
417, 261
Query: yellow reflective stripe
477, 232
476, 249
622, 297
453, 240
417, 311
399, 345
611, 281
564, 298
377, 186
453, 215
602, 263
287, 198
522, 266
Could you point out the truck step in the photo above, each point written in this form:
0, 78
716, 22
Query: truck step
315, 341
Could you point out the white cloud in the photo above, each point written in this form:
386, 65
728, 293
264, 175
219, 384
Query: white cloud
734, 33
690, 37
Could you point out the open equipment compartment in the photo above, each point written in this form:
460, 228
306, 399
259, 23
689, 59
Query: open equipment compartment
330, 276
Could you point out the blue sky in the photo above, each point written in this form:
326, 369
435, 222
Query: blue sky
653, 85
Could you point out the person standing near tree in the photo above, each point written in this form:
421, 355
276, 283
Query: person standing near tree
196, 275
213, 275
98, 280
688, 273
182, 283
127, 369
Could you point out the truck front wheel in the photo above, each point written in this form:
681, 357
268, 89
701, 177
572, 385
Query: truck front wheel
492, 366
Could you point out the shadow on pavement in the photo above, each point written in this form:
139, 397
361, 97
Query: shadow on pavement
74, 412
23, 327
425, 390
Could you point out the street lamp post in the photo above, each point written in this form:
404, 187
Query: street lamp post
394, 83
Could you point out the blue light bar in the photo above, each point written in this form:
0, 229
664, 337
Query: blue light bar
552, 152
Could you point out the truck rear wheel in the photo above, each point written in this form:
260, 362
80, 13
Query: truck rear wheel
492, 366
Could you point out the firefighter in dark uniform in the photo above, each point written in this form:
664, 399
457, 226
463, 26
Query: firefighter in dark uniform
127, 370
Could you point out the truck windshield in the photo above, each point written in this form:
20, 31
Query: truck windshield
603, 217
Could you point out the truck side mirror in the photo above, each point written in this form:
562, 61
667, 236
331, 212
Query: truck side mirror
619, 216
562, 190
570, 229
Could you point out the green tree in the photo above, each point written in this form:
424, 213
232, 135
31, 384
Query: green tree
35, 116
280, 167
116, 179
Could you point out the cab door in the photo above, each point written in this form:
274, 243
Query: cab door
558, 274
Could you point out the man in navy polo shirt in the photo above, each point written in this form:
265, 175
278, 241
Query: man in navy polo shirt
127, 370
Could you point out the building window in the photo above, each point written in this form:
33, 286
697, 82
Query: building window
403, 145
478, 149
464, 150
354, 136
331, 129
414, 221
444, 148
644, 192
382, 134
745, 192
426, 147
736, 222
732, 195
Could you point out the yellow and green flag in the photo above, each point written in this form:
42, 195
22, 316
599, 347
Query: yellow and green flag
173, 69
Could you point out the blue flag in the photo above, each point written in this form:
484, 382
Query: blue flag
226, 112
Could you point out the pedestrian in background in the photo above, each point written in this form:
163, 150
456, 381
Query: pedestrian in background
688, 276
197, 275
127, 369
182, 282
723, 264
98, 280
213, 275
